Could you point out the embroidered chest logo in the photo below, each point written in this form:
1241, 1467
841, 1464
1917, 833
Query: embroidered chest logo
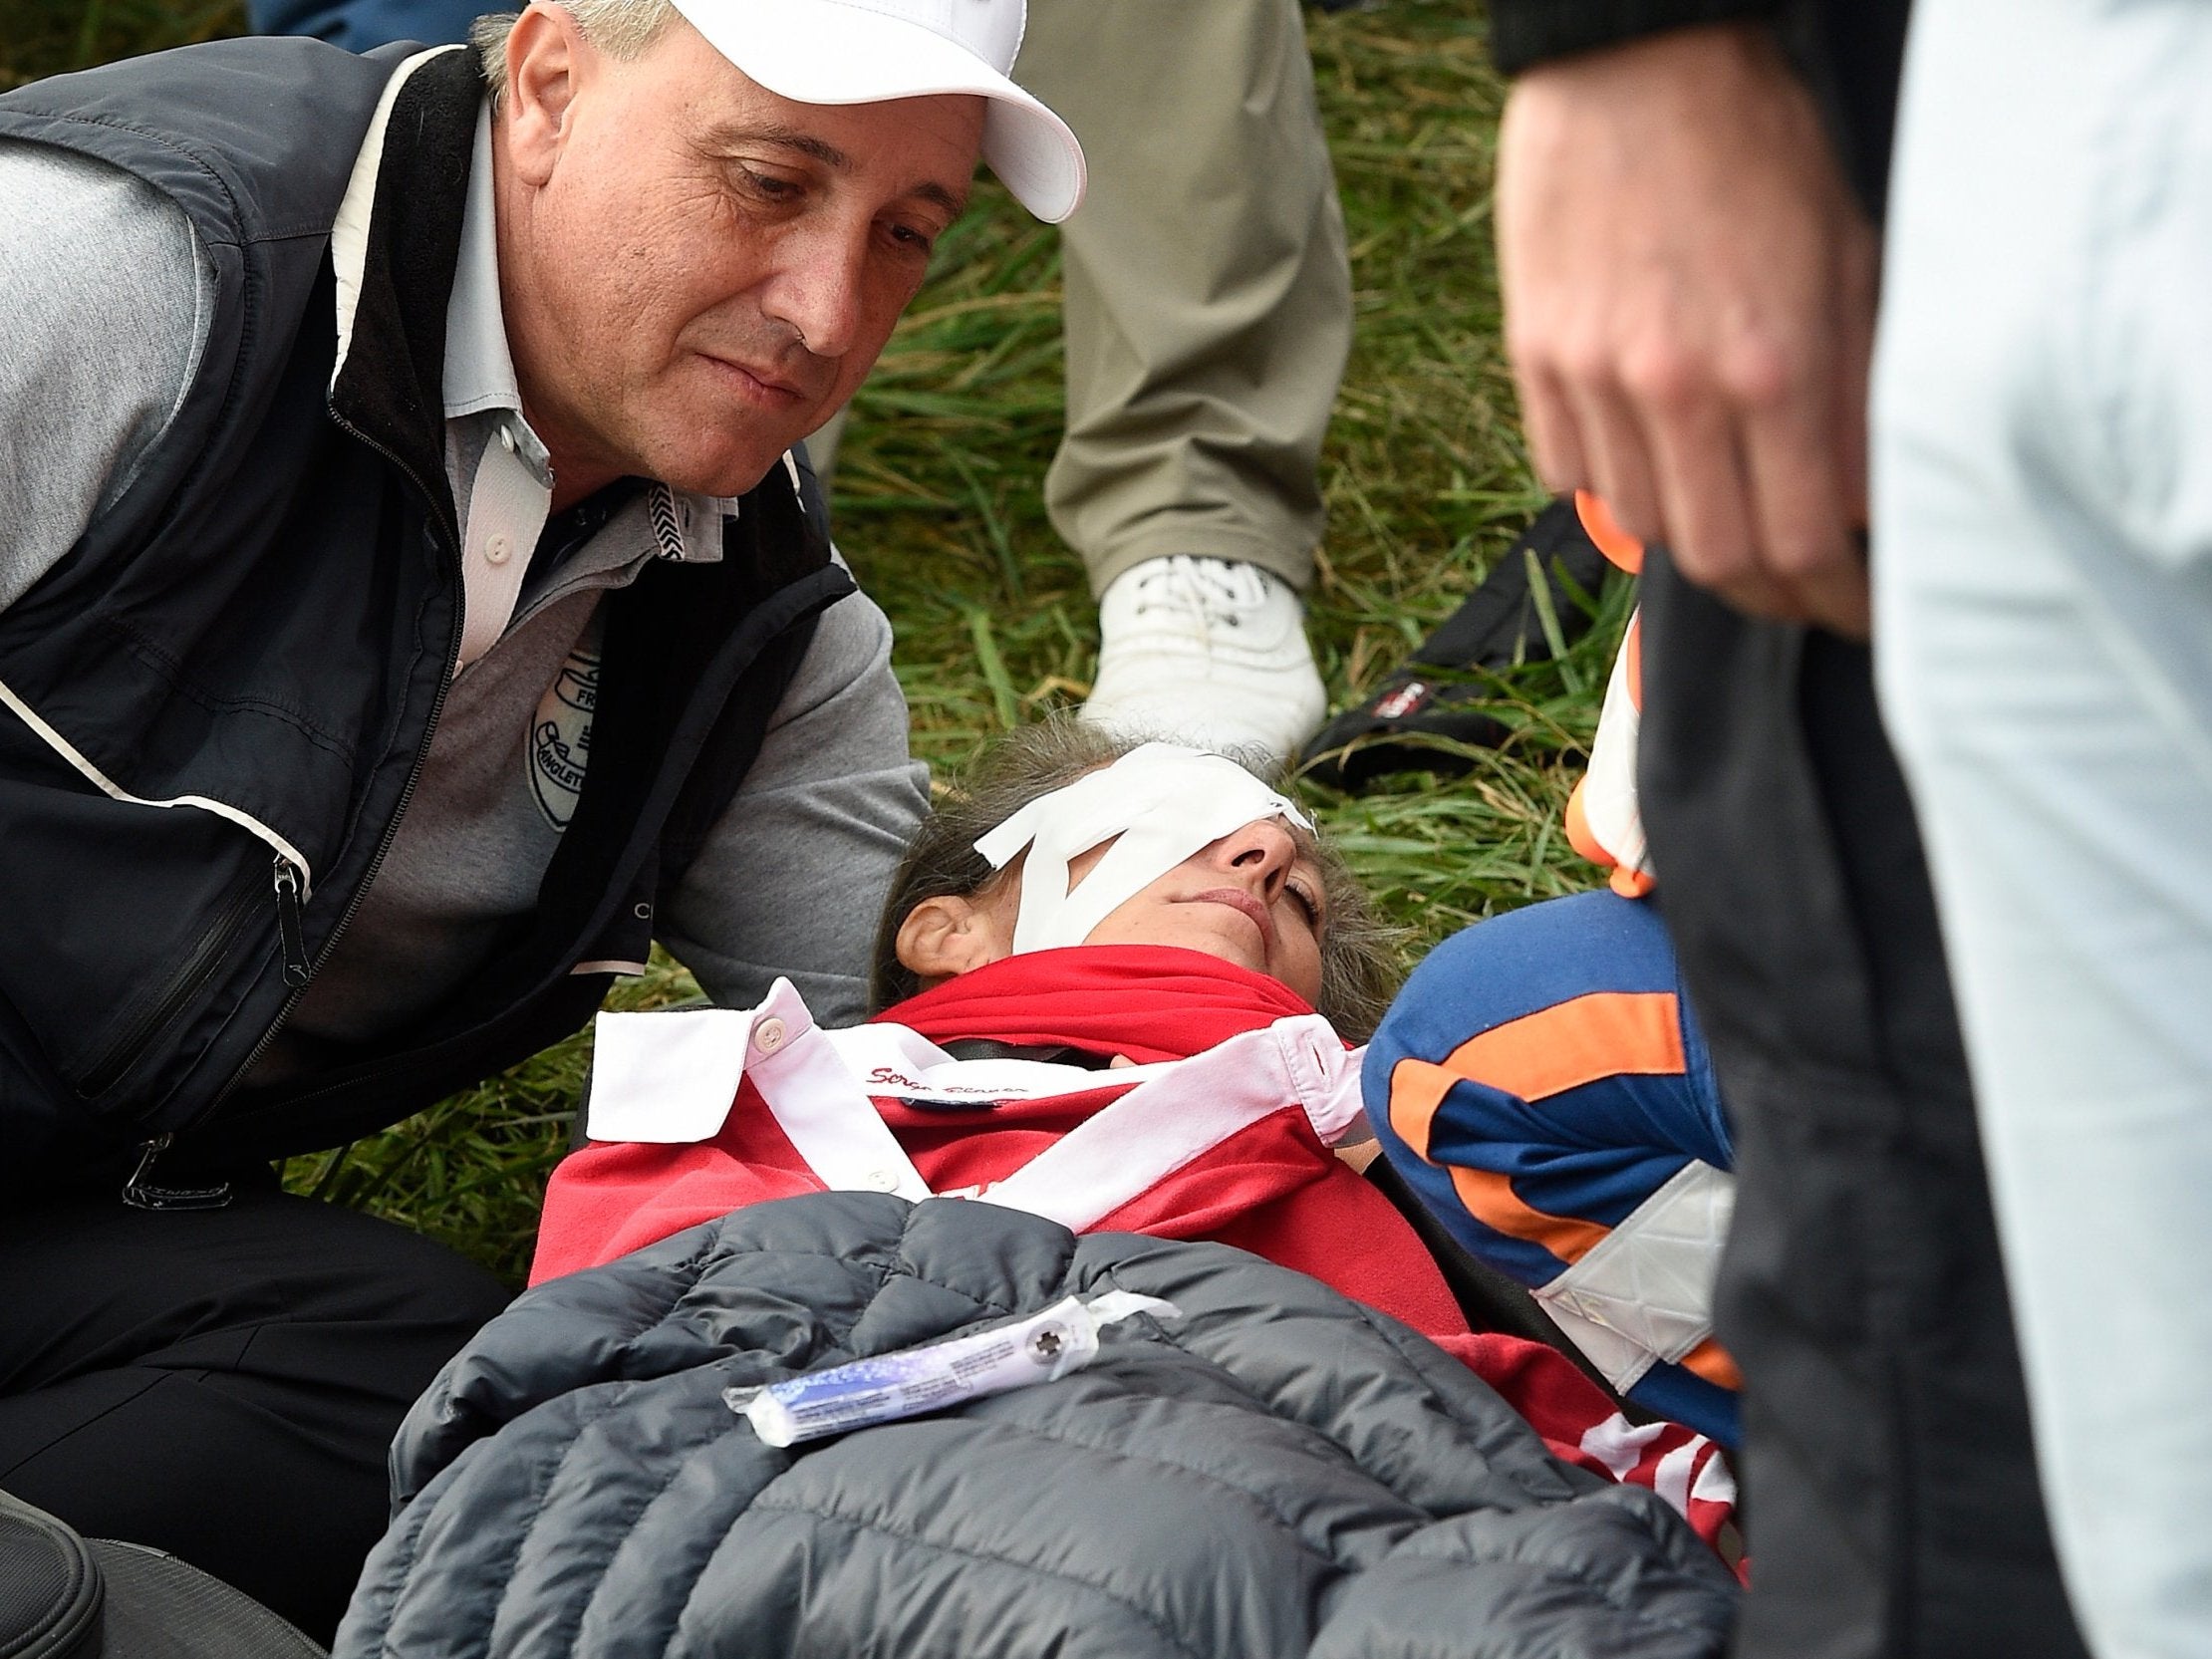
561, 736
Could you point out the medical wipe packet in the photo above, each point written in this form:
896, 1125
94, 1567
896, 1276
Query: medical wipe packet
1041, 1348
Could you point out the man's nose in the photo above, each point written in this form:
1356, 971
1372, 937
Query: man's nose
818, 293
1263, 849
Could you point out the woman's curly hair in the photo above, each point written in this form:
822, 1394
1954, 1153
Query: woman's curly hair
1361, 954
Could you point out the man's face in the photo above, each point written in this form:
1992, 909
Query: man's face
696, 272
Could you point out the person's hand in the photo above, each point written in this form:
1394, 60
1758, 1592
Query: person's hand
1689, 291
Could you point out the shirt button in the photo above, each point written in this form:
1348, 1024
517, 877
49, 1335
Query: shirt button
881, 1181
768, 1035
497, 549
507, 439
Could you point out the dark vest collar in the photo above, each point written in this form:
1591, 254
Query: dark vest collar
388, 386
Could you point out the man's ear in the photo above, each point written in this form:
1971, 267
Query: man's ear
949, 935
544, 54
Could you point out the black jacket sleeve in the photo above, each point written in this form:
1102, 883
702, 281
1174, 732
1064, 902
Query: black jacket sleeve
1525, 33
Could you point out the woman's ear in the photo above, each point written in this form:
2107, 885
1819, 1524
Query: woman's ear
952, 934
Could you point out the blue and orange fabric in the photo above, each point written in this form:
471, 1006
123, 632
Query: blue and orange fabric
1537, 1081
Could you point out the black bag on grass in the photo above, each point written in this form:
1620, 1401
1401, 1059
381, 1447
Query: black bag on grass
1501, 624
62, 1596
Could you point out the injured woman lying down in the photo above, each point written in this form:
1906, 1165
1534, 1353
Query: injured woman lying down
1118, 987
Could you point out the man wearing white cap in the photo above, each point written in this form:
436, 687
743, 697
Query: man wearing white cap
1206, 331
411, 611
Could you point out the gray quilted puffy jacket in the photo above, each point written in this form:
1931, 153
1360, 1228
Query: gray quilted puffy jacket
1278, 1472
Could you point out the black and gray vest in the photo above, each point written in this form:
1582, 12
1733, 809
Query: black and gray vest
213, 708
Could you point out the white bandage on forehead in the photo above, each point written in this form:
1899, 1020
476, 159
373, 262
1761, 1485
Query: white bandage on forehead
1163, 801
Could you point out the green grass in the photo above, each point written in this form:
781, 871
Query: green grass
45, 37
938, 506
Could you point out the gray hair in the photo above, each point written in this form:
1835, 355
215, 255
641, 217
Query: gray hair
1361, 954
619, 28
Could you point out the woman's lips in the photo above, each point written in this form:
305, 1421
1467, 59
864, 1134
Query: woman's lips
1236, 898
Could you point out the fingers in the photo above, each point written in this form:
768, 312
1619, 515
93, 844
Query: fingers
1740, 483
1621, 470
1749, 467
1554, 445
1791, 454
1732, 433
1688, 294
1710, 518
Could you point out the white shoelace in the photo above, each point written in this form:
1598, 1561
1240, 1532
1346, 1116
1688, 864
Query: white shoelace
1222, 592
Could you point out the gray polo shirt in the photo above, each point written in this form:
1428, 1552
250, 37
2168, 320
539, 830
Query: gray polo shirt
103, 313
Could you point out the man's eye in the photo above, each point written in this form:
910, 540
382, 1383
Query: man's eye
913, 239
771, 186
1307, 904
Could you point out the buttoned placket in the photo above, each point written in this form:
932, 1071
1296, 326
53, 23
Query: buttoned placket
600, 564
508, 502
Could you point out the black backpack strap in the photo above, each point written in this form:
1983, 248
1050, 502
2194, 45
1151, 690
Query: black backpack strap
1548, 580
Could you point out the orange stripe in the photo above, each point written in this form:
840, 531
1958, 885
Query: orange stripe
1604, 530
1579, 832
1416, 1089
1607, 1033
1578, 1041
1631, 884
1490, 1198
1633, 648
1714, 1364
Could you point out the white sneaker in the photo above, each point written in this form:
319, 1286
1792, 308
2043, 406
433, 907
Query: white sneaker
1210, 650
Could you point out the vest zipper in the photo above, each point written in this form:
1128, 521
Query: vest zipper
82, 764
452, 547
128, 1044
213, 945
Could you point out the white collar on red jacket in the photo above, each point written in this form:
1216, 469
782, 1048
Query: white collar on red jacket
672, 1078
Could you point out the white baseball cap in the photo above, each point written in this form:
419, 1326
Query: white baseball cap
871, 51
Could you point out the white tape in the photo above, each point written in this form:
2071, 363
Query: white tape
1163, 803
1644, 1293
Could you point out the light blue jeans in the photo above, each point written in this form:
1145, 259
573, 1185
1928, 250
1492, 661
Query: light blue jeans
2043, 429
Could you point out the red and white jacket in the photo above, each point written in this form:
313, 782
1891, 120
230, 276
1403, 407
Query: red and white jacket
1216, 1121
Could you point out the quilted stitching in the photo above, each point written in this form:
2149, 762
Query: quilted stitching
1226, 1487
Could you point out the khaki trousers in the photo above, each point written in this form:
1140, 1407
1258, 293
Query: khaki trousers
1208, 291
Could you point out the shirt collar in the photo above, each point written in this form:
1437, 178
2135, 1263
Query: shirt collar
479, 370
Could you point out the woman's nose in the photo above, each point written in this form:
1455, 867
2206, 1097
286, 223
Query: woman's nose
1262, 847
